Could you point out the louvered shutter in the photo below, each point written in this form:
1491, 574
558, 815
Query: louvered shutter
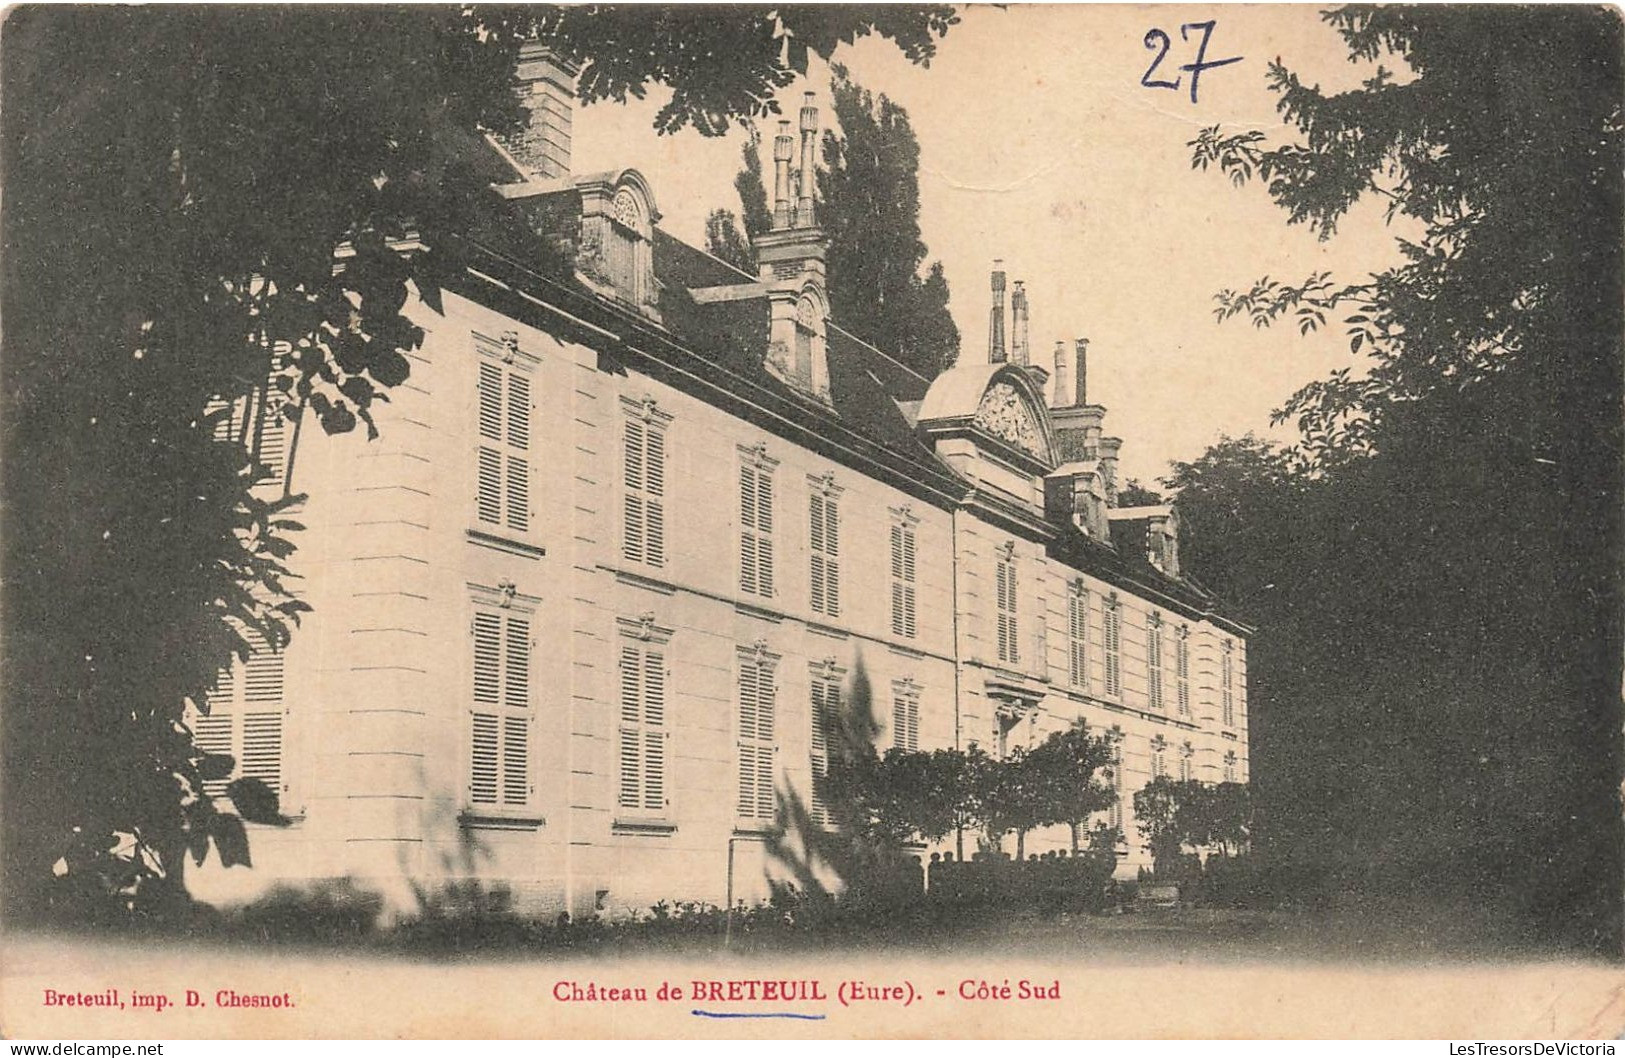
1078, 636
655, 469
750, 692
635, 535
485, 755
764, 535
816, 530
488, 486
825, 708
631, 786
1182, 674
749, 565
832, 558
1008, 631
1113, 646
654, 733
516, 720
1228, 695
213, 734
1153, 660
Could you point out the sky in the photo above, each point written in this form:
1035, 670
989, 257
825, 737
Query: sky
1040, 146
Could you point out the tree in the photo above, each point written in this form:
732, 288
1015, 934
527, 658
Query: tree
179, 181
869, 204
1134, 494
1459, 480
1069, 764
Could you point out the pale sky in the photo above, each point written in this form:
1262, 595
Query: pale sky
1040, 146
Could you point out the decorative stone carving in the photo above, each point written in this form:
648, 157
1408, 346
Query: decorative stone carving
508, 589
1004, 414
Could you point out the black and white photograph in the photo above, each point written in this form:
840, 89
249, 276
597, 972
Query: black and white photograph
812, 521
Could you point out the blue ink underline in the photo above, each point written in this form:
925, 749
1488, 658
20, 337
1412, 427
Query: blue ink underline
800, 1017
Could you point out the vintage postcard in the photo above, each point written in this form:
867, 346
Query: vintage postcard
812, 521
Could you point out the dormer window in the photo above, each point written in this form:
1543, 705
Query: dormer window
809, 340
616, 255
626, 250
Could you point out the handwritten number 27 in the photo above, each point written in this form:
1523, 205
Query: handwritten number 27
1158, 41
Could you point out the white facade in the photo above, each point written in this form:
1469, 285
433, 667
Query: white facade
575, 610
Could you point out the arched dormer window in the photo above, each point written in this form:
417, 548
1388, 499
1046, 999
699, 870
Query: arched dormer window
626, 249
809, 340
796, 347
618, 216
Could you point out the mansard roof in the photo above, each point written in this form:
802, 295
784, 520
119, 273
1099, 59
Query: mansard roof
880, 410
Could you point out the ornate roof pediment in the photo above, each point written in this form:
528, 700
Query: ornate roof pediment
1004, 414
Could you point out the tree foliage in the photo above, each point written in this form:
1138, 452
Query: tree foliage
179, 184
880, 287
1433, 568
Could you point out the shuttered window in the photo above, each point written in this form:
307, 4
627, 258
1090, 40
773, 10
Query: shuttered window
826, 711
756, 745
642, 729
825, 531
1230, 766
905, 716
1159, 757
756, 530
259, 425
1009, 647
644, 466
1182, 670
1153, 660
503, 460
1186, 753
245, 719
1077, 636
1114, 815
1227, 694
902, 580
1112, 645
499, 722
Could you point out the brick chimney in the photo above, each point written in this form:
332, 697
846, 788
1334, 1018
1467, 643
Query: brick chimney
995, 318
1018, 324
547, 87
1061, 382
790, 262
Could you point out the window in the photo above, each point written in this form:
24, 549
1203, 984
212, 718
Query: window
245, 717
1009, 647
1153, 660
499, 743
756, 523
502, 493
1159, 757
1187, 754
1182, 670
626, 249
825, 519
1230, 766
1077, 625
1227, 695
644, 525
807, 340
1114, 815
1112, 622
826, 711
902, 579
905, 715
643, 728
757, 706
258, 424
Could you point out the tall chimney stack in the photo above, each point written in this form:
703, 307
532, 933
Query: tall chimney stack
1082, 382
784, 147
995, 320
1061, 382
809, 180
1018, 325
547, 90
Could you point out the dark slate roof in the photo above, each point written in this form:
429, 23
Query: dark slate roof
715, 350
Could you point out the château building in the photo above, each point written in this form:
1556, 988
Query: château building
639, 522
